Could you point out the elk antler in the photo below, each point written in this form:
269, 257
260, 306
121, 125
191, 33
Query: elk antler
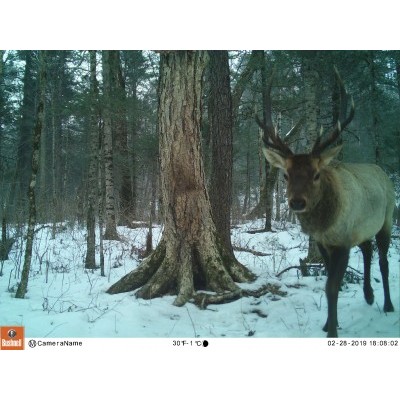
269, 137
342, 122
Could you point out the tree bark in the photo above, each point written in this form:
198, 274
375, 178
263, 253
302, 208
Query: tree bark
24, 150
92, 182
311, 81
134, 69
2, 106
268, 187
220, 117
110, 220
190, 255
377, 137
23, 285
398, 131
120, 135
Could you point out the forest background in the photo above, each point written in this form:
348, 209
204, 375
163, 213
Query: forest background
366, 28
124, 84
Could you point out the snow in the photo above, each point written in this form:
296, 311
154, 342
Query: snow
65, 301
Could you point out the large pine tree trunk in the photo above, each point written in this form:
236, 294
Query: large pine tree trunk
220, 116
190, 256
23, 285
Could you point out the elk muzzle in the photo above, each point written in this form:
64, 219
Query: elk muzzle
297, 204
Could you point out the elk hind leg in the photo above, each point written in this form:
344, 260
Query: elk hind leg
383, 241
366, 249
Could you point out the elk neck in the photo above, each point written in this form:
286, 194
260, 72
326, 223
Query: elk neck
323, 215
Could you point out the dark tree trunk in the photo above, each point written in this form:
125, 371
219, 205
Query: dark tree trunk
268, 188
5, 242
59, 134
92, 182
134, 67
120, 135
220, 117
375, 122
398, 131
101, 196
110, 219
2, 106
270, 172
311, 81
23, 285
24, 150
189, 256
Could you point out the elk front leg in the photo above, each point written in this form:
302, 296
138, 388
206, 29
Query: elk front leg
338, 259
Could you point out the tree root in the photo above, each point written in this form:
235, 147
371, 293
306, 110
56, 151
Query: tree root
183, 270
202, 300
141, 275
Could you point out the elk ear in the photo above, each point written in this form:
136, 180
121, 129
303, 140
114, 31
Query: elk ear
274, 158
328, 155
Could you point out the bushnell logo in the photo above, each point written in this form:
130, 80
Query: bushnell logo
12, 338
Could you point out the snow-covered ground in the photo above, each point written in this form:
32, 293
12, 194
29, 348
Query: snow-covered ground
65, 300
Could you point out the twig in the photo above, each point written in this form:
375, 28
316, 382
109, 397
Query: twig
57, 326
41, 227
254, 252
191, 320
252, 232
287, 269
268, 288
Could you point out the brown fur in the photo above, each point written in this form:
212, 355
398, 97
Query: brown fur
357, 201
341, 205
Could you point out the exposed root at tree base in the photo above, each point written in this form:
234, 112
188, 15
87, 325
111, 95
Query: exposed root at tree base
185, 271
202, 300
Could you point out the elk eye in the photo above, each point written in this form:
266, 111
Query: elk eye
316, 176
286, 176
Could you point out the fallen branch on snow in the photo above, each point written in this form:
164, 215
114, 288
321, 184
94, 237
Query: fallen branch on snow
254, 252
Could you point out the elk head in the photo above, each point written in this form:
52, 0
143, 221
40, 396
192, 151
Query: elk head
303, 172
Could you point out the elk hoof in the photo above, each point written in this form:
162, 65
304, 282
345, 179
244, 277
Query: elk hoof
325, 328
369, 295
388, 307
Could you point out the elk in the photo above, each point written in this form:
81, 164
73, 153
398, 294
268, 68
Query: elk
341, 205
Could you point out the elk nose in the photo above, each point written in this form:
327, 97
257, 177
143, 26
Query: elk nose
297, 204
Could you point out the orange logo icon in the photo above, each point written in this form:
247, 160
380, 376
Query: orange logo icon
12, 338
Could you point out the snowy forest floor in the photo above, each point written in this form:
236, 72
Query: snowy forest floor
65, 300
